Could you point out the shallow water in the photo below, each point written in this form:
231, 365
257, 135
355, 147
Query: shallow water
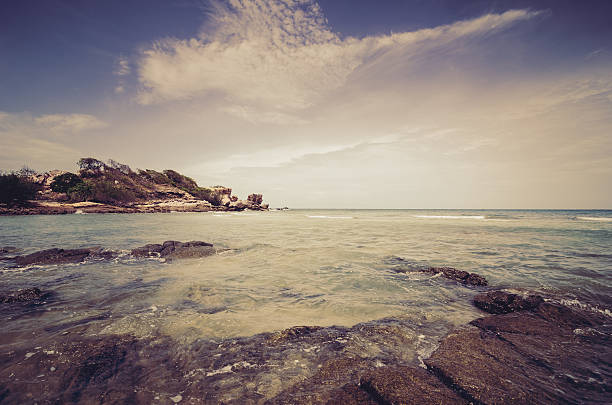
299, 267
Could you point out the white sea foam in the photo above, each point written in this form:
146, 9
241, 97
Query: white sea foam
450, 216
581, 305
601, 219
328, 217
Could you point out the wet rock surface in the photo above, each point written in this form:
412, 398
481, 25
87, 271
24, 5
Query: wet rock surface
53, 256
403, 266
502, 302
175, 249
5, 250
545, 355
24, 295
169, 250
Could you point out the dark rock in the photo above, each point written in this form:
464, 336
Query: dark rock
293, 333
193, 249
501, 302
544, 355
173, 249
255, 198
407, 385
5, 250
25, 295
152, 249
53, 256
458, 275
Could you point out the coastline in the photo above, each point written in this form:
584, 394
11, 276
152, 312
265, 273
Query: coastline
145, 207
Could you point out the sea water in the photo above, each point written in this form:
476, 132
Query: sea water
298, 267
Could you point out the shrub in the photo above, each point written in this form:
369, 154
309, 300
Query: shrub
82, 191
107, 192
64, 182
16, 189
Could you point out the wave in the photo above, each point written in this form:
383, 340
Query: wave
450, 216
328, 217
602, 219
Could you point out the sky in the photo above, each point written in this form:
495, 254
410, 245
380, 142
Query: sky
321, 104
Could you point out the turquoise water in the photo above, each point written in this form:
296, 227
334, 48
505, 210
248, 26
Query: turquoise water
299, 267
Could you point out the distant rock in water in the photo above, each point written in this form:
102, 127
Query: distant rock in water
403, 266
501, 302
169, 249
175, 250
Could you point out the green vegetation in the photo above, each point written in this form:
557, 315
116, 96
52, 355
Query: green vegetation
111, 183
65, 182
17, 188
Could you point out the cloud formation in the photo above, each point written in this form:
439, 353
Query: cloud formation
42, 140
69, 123
276, 57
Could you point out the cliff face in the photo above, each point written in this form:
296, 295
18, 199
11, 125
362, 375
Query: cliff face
116, 185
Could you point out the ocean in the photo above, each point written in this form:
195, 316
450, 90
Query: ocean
298, 267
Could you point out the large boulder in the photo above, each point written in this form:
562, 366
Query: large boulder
550, 354
172, 249
53, 256
255, 199
502, 302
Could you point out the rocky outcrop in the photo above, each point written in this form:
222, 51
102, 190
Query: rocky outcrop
113, 187
407, 385
169, 250
550, 354
544, 355
53, 256
502, 302
450, 273
175, 250
256, 199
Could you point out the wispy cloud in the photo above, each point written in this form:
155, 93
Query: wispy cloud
281, 56
69, 123
42, 140
122, 66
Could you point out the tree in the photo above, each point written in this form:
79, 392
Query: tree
16, 189
90, 166
64, 182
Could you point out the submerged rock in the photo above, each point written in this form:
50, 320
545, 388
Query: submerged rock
148, 250
169, 250
53, 256
181, 250
459, 275
407, 385
5, 250
464, 277
24, 295
501, 302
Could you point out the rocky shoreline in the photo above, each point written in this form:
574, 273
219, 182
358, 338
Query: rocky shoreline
146, 207
526, 349
114, 188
